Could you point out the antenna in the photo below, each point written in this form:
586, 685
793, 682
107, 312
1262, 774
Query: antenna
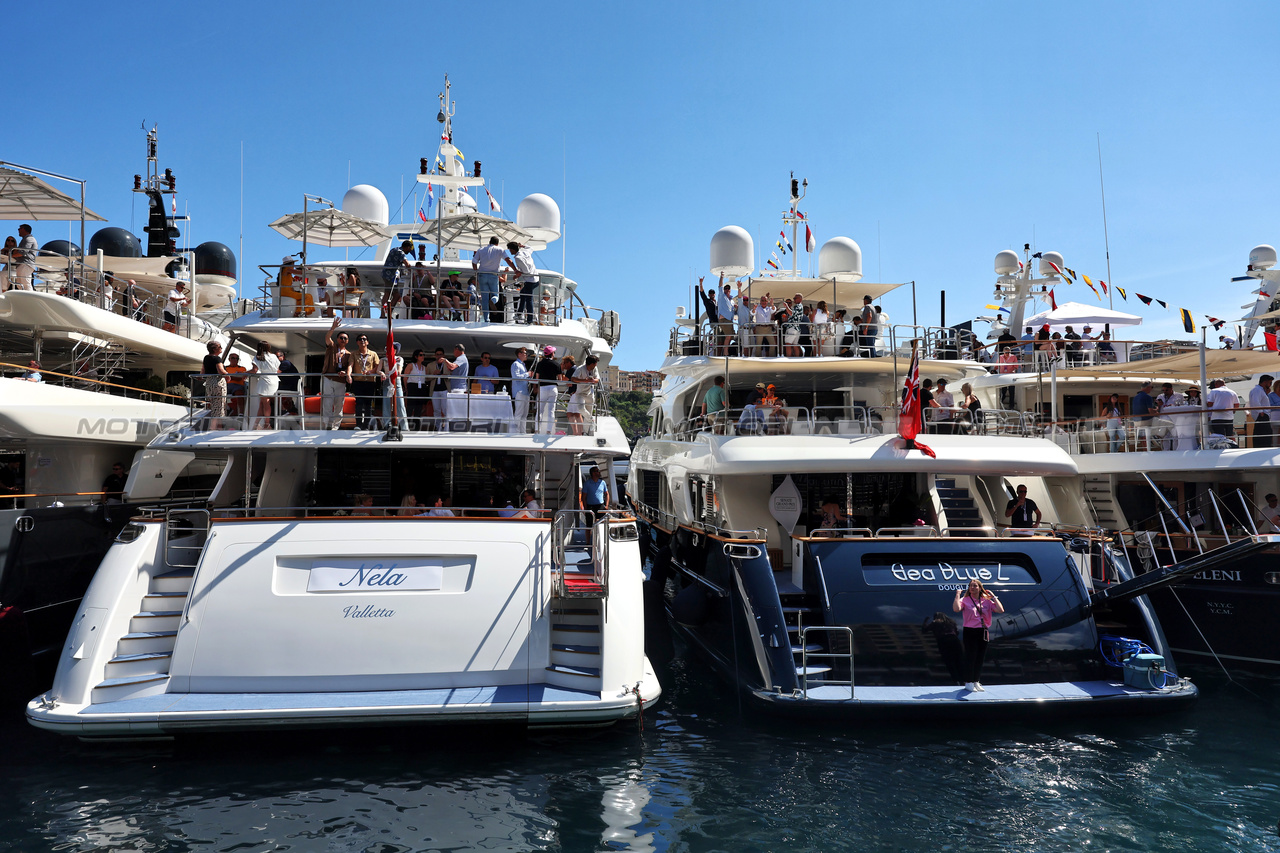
1105, 240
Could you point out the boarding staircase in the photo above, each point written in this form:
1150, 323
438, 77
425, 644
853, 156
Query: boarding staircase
802, 611
104, 361
141, 663
956, 507
140, 666
1101, 500
580, 588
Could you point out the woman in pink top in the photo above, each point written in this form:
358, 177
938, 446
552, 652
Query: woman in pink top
977, 605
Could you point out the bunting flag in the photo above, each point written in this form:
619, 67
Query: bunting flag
1163, 304
422, 215
1187, 323
783, 235
1071, 274
909, 415
1216, 323
772, 264
1057, 269
809, 243
778, 243
1120, 290
431, 195
1271, 341
1053, 302
797, 214
173, 203
1146, 300
493, 205
1094, 289
993, 308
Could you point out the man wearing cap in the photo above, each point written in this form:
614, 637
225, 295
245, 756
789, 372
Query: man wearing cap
1223, 403
869, 329
395, 266
548, 372
1087, 345
521, 261
487, 261
1260, 411
173, 307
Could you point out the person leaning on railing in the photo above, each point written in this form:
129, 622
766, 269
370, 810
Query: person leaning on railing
215, 383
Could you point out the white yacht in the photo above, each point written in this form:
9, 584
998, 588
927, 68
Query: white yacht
1167, 482
396, 573
812, 554
97, 393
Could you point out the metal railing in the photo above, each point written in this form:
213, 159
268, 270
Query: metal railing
1190, 526
417, 295
75, 280
805, 655
821, 340
570, 535
178, 525
239, 406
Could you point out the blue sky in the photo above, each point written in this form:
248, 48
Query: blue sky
933, 134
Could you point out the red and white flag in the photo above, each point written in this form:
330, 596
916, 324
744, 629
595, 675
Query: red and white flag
493, 205
909, 416
809, 243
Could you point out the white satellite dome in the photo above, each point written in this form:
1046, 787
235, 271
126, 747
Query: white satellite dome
841, 259
367, 202
1262, 257
1047, 258
1007, 262
540, 216
732, 252
465, 201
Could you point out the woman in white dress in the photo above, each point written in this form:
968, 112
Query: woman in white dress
264, 385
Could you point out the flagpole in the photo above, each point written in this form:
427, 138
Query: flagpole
1106, 241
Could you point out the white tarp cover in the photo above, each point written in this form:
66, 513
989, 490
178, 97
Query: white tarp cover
1077, 313
24, 196
841, 294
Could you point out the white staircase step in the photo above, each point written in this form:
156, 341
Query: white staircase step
578, 671
129, 687
141, 642
812, 670
575, 629
150, 621
175, 581
574, 649
149, 663
154, 601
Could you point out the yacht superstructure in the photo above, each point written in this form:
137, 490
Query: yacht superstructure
434, 567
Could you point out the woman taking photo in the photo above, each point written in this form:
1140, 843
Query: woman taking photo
978, 605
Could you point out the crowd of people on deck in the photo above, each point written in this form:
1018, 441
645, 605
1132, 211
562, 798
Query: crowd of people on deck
414, 394
791, 327
500, 282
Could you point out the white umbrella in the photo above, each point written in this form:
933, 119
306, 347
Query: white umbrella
331, 228
471, 231
1078, 314
24, 196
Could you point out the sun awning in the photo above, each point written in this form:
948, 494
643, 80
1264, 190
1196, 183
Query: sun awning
841, 294
1078, 314
331, 228
1219, 364
25, 196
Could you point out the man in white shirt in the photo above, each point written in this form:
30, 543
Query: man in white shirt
746, 345
487, 261
765, 338
1088, 345
520, 390
724, 310
1271, 514
1260, 411
521, 261
944, 417
1222, 403
173, 308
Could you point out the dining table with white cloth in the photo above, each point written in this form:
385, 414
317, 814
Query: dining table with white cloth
461, 406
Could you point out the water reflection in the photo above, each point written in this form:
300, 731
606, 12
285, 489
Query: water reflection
698, 778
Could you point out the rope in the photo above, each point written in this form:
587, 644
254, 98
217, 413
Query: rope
96, 381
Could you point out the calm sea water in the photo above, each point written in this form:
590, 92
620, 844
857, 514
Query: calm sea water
698, 778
